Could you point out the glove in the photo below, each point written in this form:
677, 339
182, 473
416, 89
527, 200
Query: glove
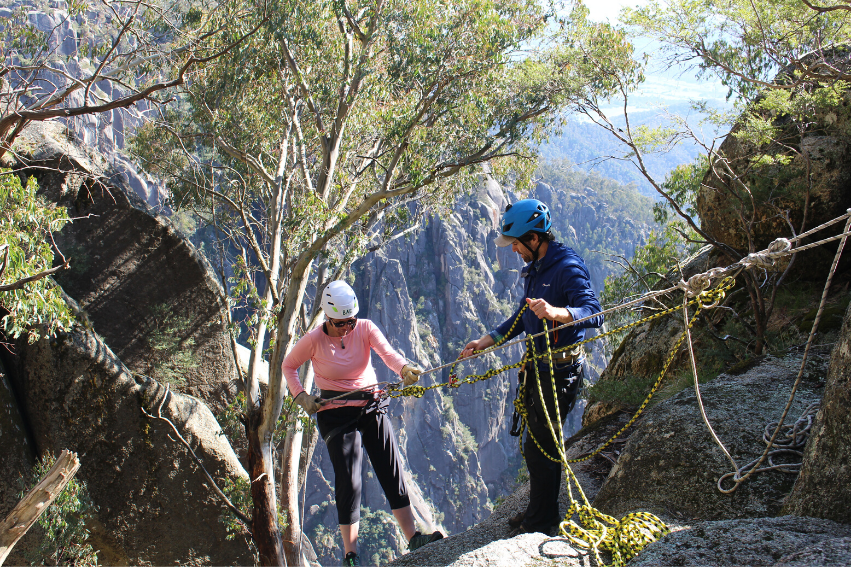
310, 404
410, 375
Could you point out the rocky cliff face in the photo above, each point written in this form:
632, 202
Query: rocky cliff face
106, 131
430, 295
148, 292
153, 505
142, 286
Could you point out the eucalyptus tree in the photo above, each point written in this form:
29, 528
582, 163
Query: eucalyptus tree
85, 58
746, 43
327, 131
89, 58
786, 64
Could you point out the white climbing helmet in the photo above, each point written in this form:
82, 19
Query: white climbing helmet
339, 300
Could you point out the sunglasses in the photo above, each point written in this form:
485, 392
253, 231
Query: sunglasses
351, 322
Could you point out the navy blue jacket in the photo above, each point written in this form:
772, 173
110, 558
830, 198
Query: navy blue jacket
561, 278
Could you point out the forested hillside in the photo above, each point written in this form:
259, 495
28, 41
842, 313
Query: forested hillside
180, 182
592, 149
602, 219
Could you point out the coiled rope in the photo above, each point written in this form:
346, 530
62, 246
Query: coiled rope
625, 538
596, 531
756, 465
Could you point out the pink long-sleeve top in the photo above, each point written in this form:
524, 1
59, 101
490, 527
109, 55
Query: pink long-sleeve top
341, 369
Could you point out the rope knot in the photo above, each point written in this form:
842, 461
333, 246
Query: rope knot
757, 260
695, 285
765, 259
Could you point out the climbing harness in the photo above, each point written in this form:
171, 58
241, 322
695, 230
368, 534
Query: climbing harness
350, 393
373, 399
596, 531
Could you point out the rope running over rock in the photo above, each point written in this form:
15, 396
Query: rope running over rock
625, 538
790, 442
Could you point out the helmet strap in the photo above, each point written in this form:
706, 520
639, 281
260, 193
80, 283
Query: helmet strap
535, 251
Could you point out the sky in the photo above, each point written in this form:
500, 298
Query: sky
609, 9
664, 84
666, 88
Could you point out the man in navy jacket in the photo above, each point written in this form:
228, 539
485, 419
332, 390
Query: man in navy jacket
557, 290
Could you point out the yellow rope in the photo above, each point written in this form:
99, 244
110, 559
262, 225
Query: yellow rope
623, 538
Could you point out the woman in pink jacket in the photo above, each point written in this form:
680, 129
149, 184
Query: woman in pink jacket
340, 351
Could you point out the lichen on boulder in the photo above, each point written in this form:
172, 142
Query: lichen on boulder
823, 489
670, 465
154, 505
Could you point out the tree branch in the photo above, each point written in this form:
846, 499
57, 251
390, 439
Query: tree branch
384, 243
29, 115
23, 281
823, 9
37, 500
236, 512
115, 43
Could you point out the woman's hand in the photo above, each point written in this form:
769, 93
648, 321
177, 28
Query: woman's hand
310, 404
410, 375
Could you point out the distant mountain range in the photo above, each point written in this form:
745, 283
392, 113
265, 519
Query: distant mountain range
591, 148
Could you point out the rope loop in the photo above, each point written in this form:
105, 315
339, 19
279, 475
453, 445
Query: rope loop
765, 259
415, 391
711, 298
780, 246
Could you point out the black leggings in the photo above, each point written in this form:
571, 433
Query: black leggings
374, 432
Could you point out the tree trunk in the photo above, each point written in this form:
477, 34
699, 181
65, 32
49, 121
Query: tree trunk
264, 521
284, 338
291, 461
28, 510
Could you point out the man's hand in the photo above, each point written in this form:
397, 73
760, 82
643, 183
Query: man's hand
310, 404
544, 310
410, 375
480, 344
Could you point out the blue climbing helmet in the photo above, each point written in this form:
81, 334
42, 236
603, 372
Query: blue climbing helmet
526, 215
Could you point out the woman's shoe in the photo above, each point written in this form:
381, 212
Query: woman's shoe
351, 559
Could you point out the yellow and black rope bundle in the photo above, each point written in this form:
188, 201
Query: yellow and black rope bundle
596, 531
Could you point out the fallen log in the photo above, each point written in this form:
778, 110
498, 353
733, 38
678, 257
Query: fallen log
37, 500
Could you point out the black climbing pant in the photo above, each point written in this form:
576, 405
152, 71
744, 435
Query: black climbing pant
371, 430
544, 473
